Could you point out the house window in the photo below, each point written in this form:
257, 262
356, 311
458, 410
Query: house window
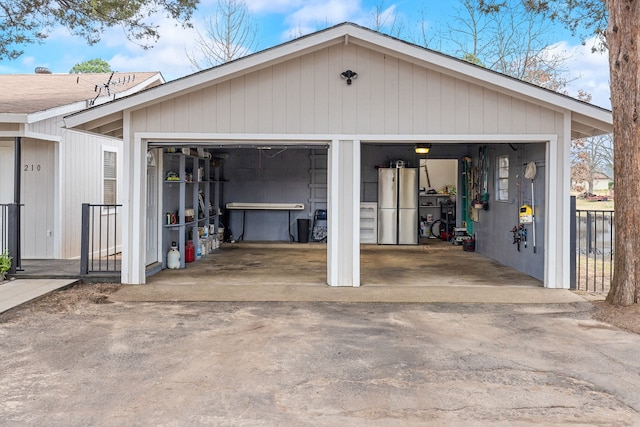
502, 178
109, 177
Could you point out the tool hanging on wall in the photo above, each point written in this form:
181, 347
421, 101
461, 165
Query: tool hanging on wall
481, 193
530, 173
519, 235
426, 171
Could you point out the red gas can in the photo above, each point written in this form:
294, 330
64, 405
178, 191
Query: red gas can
189, 252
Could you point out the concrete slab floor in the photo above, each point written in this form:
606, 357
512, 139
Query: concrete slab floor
439, 272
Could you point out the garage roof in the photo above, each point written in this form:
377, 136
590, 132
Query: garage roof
586, 119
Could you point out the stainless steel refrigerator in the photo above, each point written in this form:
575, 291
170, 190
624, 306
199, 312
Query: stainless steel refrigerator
397, 206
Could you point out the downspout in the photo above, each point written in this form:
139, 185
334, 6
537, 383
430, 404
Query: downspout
17, 171
14, 231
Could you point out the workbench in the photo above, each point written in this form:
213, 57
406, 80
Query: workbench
244, 207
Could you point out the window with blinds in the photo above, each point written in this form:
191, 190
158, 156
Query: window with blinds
109, 177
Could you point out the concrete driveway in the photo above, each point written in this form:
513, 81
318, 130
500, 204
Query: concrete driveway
316, 364
207, 346
438, 272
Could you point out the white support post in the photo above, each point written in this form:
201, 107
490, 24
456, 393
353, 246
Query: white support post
133, 207
343, 247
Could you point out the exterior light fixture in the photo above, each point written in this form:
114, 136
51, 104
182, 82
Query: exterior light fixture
423, 148
349, 76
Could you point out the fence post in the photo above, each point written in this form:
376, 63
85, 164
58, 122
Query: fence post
572, 240
84, 240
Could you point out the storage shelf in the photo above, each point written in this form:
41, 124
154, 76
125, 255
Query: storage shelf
200, 194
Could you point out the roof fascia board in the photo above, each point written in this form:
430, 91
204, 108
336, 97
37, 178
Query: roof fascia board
57, 111
42, 136
14, 118
214, 75
476, 74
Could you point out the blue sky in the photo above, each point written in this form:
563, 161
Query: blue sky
277, 22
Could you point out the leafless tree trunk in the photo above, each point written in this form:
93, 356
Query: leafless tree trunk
227, 35
622, 38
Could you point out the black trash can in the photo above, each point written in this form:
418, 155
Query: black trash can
303, 230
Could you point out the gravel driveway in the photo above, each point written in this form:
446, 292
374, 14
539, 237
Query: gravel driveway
315, 364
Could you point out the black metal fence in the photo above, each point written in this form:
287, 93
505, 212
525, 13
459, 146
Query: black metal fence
10, 234
100, 244
593, 249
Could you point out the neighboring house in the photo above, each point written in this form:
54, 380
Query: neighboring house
59, 169
270, 116
601, 183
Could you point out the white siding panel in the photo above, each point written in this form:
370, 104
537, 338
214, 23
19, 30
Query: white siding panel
391, 94
237, 118
321, 98
377, 93
434, 111
168, 116
533, 120
308, 88
336, 88
139, 119
349, 92
518, 116
195, 110
154, 117
547, 122
462, 108
223, 107
489, 107
364, 91
419, 100
279, 98
294, 92
265, 100
252, 102
447, 104
210, 109
405, 97
6, 172
82, 154
51, 126
476, 109
505, 119
181, 107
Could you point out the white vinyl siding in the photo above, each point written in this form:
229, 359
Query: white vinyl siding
306, 95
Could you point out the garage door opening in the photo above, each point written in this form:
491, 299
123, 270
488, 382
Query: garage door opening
244, 199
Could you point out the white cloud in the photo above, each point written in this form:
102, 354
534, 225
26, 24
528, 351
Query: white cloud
591, 71
274, 6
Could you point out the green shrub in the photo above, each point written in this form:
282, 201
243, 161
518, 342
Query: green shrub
5, 264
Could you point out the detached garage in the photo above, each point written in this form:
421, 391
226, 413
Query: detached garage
305, 128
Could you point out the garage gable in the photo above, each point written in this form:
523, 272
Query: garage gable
306, 95
297, 88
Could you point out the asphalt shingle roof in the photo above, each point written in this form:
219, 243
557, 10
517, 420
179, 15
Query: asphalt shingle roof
30, 93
